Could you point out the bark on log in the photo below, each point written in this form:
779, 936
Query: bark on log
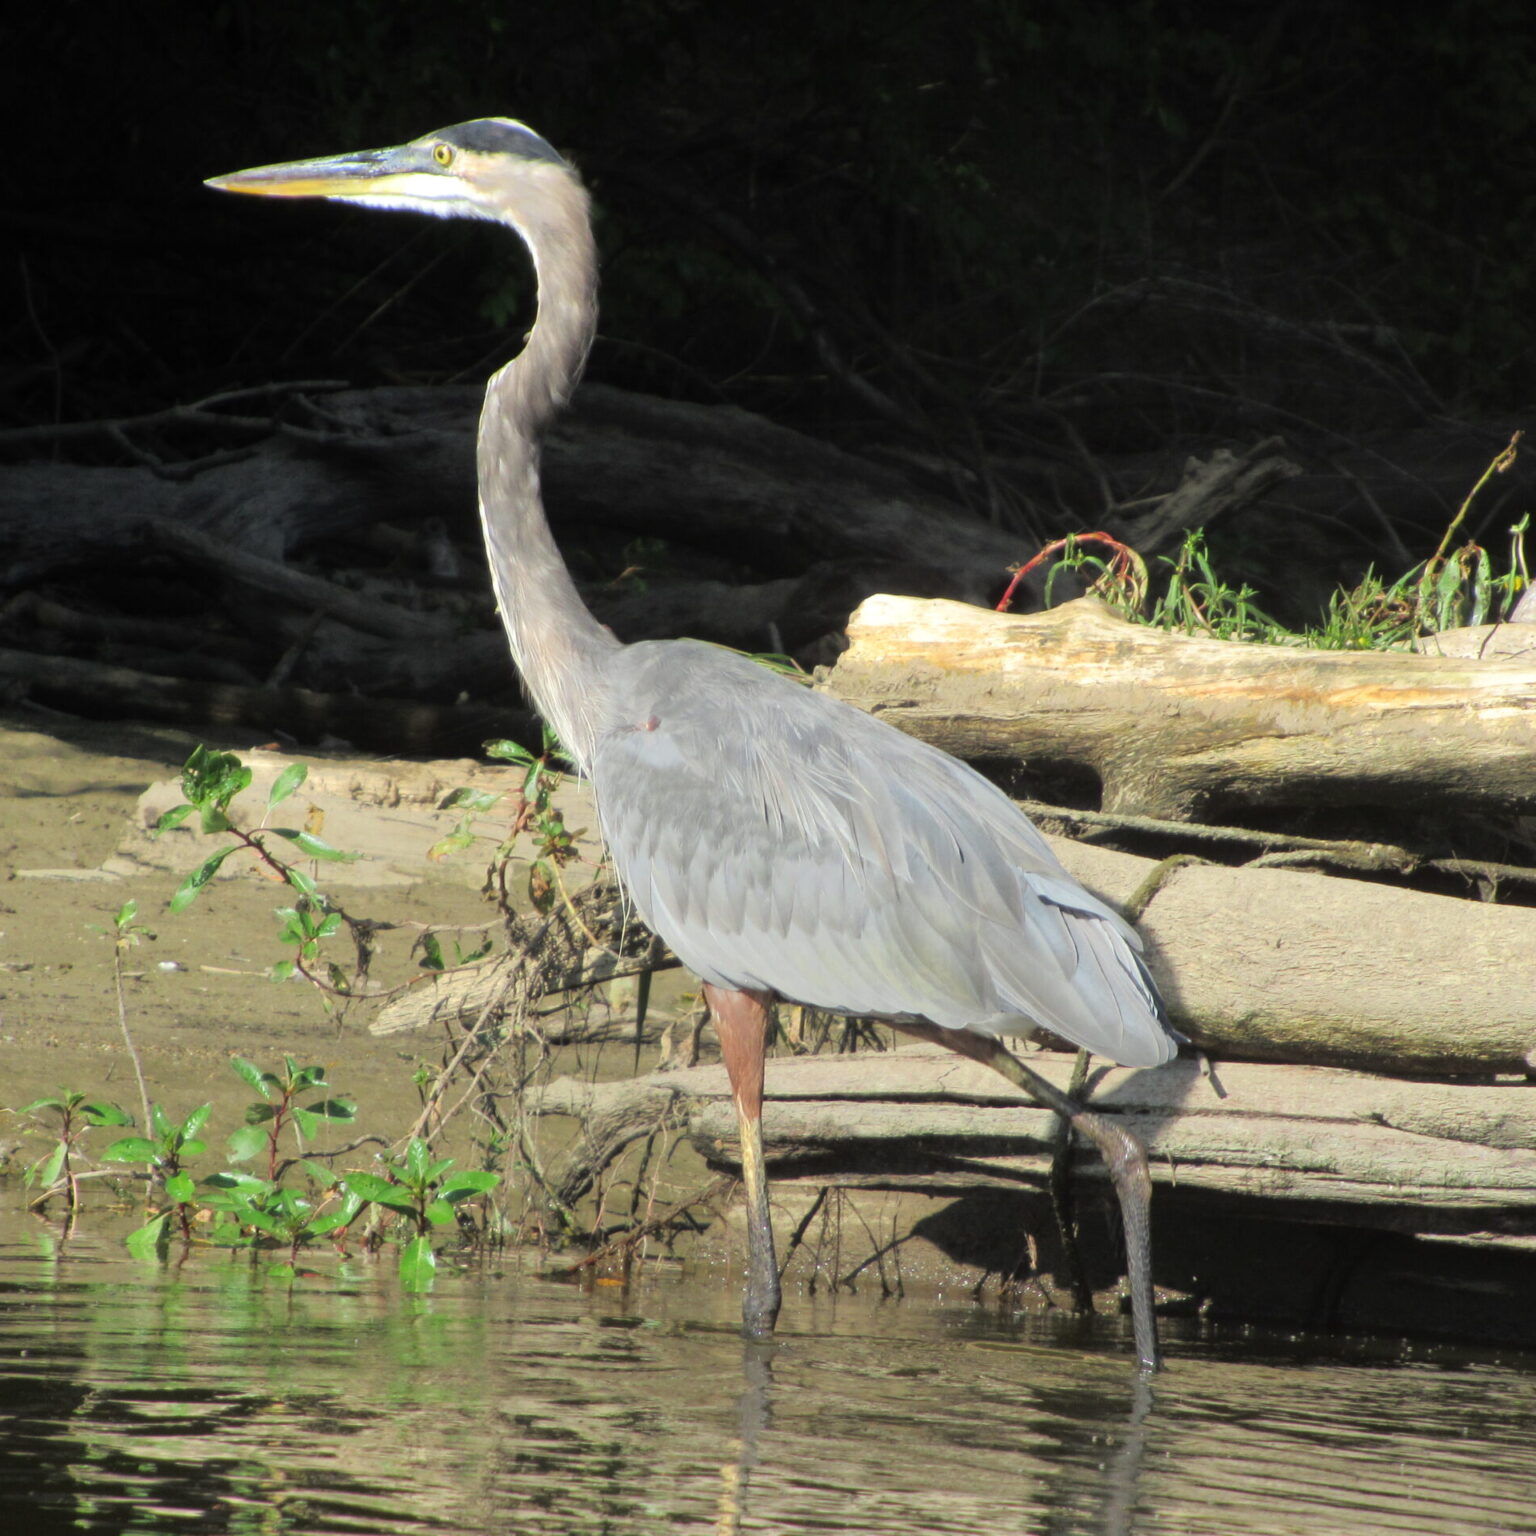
1210, 492
400, 725
1181, 727
308, 592
715, 477
1427, 1157
1285, 965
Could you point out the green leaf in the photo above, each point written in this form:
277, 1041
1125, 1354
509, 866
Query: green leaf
132, 1149
302, 883
150, 1242
49, 1169
171, 819
252, 1075
431, 951
370, 1187
439, 1213
260, 1114
213, 777
196, 1120
232, 1178
315, 847
286, 782
99, 1113
212, 819
37, 1104
479, 800
126, 913
463, 1185
418, 1265
248, 1142
283, 970
418, 1158
307, 1121
335, 1220
507, 751
187, 891
191, 1148
455, 842
181, 1188
334, 1109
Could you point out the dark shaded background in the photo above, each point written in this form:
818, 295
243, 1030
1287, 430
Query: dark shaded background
976, 231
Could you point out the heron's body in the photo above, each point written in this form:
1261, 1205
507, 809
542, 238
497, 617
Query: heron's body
782, 843
835, 861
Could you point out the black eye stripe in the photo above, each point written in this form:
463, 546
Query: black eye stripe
501, 136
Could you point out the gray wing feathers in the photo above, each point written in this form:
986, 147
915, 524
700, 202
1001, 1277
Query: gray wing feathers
777, 839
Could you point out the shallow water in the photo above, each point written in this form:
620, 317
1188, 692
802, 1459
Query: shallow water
212, 1398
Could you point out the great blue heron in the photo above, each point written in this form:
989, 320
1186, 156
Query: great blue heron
786, 846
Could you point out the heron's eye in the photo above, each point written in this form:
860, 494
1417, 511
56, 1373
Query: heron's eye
443, 154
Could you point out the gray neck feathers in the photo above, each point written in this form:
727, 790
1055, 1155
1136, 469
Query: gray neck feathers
559, 648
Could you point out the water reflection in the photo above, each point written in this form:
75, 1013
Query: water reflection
211, 1399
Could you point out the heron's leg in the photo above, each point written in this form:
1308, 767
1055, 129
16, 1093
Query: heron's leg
741, 1019
1123, 1154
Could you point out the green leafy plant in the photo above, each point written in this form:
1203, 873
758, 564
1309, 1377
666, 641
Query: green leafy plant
278, 1110
1456, 586
212, 781
169, 1145
426, 1192
534, 813
1197, 601
55, 1170
255, 1212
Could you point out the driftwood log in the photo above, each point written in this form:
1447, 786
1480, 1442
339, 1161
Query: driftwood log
112, 692
1185, 727
1420, 1156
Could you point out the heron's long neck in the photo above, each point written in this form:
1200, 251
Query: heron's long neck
559, 648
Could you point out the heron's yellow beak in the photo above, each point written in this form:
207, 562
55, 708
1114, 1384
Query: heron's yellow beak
370, 173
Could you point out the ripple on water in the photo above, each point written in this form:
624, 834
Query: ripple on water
210, 1398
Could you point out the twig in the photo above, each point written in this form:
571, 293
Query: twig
201, 413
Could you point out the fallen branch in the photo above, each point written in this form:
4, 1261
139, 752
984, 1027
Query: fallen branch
1428, 1157
1179, 726
400, 725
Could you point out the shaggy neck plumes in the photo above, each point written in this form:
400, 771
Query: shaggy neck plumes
558, 646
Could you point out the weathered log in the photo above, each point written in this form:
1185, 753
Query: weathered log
311, 593
383, 724
1514, 641
1211, 491
1426, 1157
1179, 726
1286, 965
712, 477
473, 996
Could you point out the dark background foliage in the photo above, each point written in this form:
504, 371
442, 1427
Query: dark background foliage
978, 228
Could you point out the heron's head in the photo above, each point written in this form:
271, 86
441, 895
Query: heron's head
470, 171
